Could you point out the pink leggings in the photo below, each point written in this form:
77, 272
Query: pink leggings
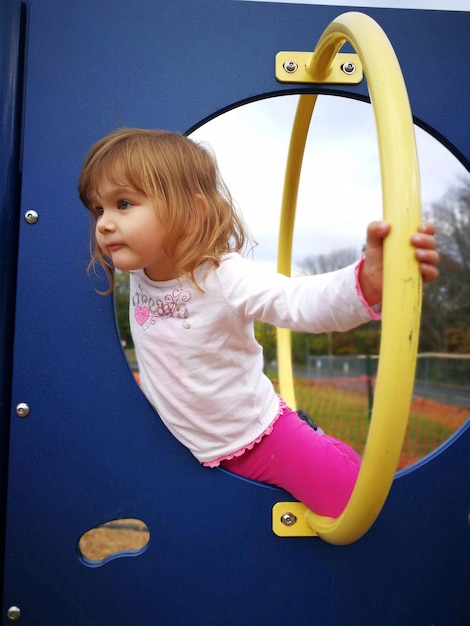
318, 470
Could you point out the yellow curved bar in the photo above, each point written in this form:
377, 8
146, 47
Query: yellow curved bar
401, 304
286, 233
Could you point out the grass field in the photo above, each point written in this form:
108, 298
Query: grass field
343, 412
341, 408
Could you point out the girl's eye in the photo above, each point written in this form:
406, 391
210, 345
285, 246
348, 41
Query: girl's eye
99, 211
123, 204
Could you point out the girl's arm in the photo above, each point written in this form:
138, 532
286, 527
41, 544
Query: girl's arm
370, 274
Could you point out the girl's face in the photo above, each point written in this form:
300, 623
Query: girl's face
130, 232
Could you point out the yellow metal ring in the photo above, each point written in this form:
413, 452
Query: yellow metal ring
401, 304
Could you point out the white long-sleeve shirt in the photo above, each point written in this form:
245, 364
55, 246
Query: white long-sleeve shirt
200, 365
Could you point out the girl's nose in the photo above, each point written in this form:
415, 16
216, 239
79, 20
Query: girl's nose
105, 223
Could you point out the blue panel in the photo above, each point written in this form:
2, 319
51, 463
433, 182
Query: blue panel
92, 449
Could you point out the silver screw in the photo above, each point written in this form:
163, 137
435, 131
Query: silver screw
13, 614
31, 216
348, 68
290, 67
22, 409
288, 519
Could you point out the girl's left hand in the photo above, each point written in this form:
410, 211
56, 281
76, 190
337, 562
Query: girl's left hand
371, 272
425, 251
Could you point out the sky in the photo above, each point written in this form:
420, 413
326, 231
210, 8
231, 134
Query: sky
340, 191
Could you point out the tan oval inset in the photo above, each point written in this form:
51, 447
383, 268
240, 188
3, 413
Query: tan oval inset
113, 539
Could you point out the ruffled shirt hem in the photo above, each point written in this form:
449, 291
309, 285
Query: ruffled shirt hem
250, 446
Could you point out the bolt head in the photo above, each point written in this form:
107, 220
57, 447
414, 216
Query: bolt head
22, 409
288, 519
13, 614
290, 67
31, 217
348, 68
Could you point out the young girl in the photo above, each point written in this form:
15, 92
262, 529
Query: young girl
161, 212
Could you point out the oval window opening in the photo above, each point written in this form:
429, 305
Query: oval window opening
339, 194
114, 539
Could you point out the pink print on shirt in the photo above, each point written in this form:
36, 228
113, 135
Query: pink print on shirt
147, 310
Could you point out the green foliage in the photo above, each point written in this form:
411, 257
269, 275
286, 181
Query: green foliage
363, 340
266, 336
121, 307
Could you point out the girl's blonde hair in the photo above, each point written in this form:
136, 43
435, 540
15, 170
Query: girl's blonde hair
172, 170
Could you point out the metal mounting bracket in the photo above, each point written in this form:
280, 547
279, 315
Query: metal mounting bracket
290, 520
291, 67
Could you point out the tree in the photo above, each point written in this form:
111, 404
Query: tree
330, 262
363, 340
446, 302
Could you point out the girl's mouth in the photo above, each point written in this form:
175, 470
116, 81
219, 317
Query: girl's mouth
112, 247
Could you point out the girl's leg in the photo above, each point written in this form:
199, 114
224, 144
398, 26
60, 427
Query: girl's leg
318, 470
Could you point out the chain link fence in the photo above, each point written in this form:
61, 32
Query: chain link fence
337, 392
440, 377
